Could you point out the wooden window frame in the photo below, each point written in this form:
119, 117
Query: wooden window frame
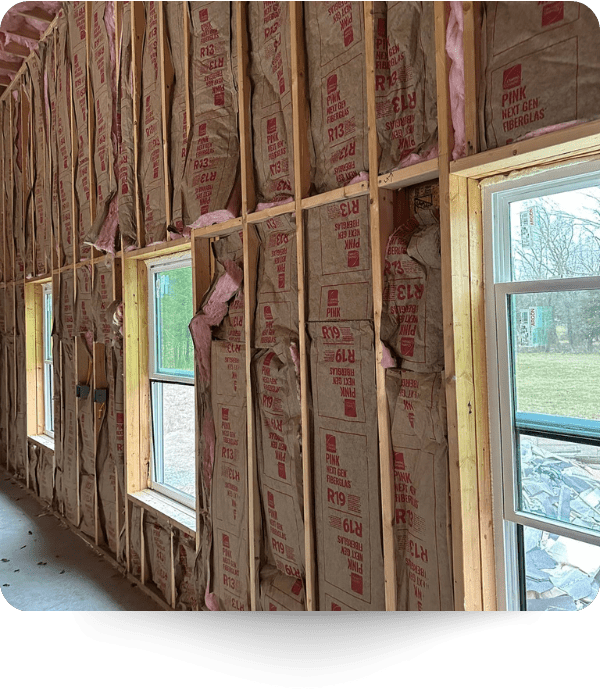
468, 374
34, 358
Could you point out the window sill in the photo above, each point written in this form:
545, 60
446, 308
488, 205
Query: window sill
44, 441
176, 514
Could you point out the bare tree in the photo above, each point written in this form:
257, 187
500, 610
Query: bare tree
555, 245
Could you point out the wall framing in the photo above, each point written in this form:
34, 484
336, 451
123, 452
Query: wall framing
462, 279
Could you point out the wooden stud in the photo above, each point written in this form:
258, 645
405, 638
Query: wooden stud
250, 252
138, 28
454, 454
301, 188
482, 440
381, 227
166, 85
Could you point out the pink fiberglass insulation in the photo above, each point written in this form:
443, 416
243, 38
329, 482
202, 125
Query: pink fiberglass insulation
269, 205
454, 49
221, 215
14, 26
212, 313
387, 361
550, 129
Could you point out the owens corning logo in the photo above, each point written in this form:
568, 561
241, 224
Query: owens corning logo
271, 500
552, 12
330, 443
332, 82
226, 541
512, 77
272, 125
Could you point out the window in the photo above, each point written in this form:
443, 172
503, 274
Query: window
171, 369
47, 358
39, 362
543, 328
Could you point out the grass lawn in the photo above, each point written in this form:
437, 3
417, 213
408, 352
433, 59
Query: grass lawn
559, 384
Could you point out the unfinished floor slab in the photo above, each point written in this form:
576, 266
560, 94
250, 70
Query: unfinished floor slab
45, 566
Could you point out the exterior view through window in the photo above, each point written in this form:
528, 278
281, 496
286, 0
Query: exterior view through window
543, 315
172, 380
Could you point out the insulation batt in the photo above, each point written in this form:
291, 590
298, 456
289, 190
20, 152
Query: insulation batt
541, 62
421, 503
276, 316
75, 14
346, 466
222, 564
204, 143
280, 593
412, 324
279, 461
229, 254
157, 542
184, 549
43, 260
339, 261
103, 87
125, 157
335, 47
152, 167
270, 62
229, 508
213, 150
135, 540
65, 223
277, 391
405, 83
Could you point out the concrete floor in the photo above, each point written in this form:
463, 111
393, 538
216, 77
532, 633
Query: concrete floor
49, 568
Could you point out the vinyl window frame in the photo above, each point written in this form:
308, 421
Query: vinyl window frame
505, 422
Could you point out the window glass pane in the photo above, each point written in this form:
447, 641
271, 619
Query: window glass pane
556, 236
48, 398
174, 436
556, 353
560, 479
174, 311
47, 326
560, 573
